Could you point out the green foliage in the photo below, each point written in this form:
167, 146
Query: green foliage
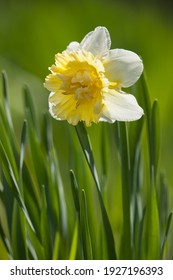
59, 200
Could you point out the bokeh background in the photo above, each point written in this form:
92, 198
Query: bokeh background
33, 31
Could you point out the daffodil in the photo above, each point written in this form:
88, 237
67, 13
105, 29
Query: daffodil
87, 79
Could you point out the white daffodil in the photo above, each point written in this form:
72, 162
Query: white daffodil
87, 79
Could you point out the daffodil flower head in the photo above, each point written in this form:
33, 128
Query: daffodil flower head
87, 79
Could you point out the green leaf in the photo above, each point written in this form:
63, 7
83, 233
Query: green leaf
19, 246
45, 228
34, 141
146, 104
33, 207
35, 245
134, 132
151, 236
56, 246
104, 151
61, 200
85, 231
155, 137
29, 108
140, 236
166, 233
145, 100
74, 244
153, 127
5, 241
4, 254
37, 156
6, 101
6, 124
47, 134
22, 147
75, 188
7, 148
15, 186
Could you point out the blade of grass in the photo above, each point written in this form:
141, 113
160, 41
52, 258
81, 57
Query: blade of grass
45, 228
134, 132
33, 208
56, 246
135, 127
85, 231
7, 200
34, 140
57, 203
151, 232
7, 147
29, 107
7, 119
6, 101
36, 244
163, 198
75, 189
104, 152
25, 183
155, 138
37, 156
140, 235
151, 236
62, 204
15, 187
19, 246
153, 127
74, 243
4, 255
22, 148
5, 241
146, 103
166, 233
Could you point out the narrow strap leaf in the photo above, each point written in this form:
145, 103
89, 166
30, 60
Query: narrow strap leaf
16, 189
22, 147
86, 238
155, 138
166, 233
74, 243
45, 228
151, 232
29, 107
75, 188
6, 101
20, 251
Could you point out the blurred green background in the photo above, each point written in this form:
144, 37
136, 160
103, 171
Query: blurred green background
32, 32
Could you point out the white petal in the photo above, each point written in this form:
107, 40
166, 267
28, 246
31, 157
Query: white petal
73, 46
124, 67
121, 107
97, 42
51, 106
